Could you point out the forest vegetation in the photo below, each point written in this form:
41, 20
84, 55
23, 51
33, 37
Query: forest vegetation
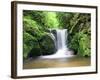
37, 41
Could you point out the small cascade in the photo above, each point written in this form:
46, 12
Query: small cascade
61, 45
61, 39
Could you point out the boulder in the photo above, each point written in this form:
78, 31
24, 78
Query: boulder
47, 45
54, 32
35, 51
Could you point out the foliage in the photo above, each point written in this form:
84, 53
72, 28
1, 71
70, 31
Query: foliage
84, 44
36, 26
50, 20
81, 44
29, 42
79, 34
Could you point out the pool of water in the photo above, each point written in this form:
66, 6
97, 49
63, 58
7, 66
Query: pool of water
74, 61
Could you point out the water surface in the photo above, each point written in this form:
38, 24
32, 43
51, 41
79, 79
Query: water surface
60, 62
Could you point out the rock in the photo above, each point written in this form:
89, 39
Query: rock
54, 32
35, 48
34, 52
47, 45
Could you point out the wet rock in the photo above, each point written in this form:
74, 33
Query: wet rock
34, 52
54, 32
47, 45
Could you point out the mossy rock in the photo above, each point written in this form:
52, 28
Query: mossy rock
54, 32
34, 52
47, 45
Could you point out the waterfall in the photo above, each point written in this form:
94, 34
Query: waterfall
61, 39
61, 45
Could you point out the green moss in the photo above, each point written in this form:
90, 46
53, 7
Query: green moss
47, 45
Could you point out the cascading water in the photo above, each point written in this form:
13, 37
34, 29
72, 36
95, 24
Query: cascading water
61, 39
62, 50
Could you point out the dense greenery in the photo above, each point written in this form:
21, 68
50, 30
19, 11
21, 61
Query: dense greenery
37, 40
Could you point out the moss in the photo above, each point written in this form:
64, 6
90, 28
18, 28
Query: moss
47, 45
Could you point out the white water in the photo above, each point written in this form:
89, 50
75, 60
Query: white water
62, 50
61, 39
